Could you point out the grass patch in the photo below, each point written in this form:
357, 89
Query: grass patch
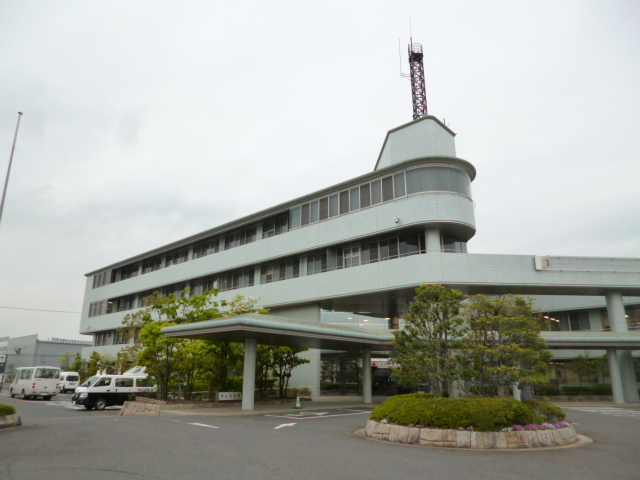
6, 409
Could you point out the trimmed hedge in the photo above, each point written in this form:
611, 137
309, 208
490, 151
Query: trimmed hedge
547, 390
550, 412
6, 409
597, 389
483, 414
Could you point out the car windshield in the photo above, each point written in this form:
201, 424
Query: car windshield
72, 378
47, 373
90, 381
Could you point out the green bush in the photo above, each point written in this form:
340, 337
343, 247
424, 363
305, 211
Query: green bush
6, 409
483, 414
547, 390
550, 412
597, 389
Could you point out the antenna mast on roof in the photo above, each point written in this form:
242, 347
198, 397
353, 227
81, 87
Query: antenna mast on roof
418, 90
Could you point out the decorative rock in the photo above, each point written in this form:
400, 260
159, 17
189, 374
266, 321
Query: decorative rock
463, 439
433, 437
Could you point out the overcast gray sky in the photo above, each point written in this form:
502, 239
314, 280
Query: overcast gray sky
148, 121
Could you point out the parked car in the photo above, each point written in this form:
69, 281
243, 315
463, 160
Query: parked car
40, 381
69, 381
101, 391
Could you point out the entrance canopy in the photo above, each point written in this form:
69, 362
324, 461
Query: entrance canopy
275, 330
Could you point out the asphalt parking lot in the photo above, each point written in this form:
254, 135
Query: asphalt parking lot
59, 441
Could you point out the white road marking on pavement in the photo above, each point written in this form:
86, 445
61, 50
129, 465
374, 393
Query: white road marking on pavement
299, 416
203, 425
284, 425
616, 412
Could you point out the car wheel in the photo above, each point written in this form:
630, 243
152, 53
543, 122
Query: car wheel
100, 404
88, 407
25, 397
47, 397
13, 395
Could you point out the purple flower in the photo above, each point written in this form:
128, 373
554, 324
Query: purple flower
418, 425
518, 428
470, 428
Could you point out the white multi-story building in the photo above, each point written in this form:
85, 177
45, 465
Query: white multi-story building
353, 254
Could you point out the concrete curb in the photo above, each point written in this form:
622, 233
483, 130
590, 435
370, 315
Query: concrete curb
8, 421
433, 437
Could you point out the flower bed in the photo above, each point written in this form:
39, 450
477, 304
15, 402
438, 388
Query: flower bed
516, 437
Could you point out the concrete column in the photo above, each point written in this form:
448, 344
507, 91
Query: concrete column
394, 322
614, 374
343, 376
249, 373
366, 375
618, 323
615, 309
432, 240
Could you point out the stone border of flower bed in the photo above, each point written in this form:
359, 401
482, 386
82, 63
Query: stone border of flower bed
7, 421
433, 437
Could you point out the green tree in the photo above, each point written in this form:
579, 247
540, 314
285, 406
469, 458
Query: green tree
503, 345
426, 347
159, 354
94, 361
284, 360
80, 366
264, 366
191, 361
586, 367
64, 361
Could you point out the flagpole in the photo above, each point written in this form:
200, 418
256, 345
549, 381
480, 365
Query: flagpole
6, 182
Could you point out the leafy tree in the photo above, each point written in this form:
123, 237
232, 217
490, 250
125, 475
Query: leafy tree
190, 364
264, 365
585, 366
64, 361
503, 345
94, 361
80, 366
329, 371
426, 347
285, 359
190, 359
159, 354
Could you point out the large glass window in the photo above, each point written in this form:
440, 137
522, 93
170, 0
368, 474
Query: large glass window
324, 208
344, 202
354, 199
387, 189
334, 205
316, 263
294, 217
365, 196
574, 321
409, 244
305, 214
429, 179
351, 257
376, 192
315, 212
398, 184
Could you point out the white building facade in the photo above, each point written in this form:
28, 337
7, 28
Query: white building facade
354, 253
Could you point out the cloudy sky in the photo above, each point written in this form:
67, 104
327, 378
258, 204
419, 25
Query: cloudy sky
148, 121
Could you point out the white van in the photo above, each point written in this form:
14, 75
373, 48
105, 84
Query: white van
35, 382
101, 391
69, 381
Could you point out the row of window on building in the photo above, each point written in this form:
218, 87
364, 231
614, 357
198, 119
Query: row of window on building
385, 189
345, 256
390, 187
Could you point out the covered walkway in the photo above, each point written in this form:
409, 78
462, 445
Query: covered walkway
253, 329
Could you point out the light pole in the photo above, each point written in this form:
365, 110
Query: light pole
6, 182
